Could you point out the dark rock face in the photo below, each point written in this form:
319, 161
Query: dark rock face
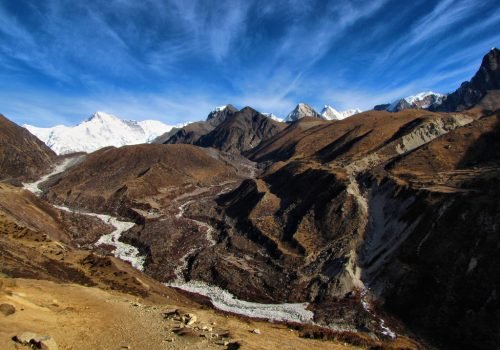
381, 107
217, 117
190, 134
471, 92
401, 105
241, 131
22, 155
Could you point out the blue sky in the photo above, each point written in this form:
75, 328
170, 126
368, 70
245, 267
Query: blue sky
174, 60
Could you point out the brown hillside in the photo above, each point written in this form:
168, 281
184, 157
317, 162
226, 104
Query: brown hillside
22, 155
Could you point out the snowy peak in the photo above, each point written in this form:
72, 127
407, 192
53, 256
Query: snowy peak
102, 117
330, 113
98, 131
273, 117
220, 114
421, 100
300, 111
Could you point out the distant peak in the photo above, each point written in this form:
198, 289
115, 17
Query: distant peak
300, 111
220, 108
102, 116
228, 107
330, 113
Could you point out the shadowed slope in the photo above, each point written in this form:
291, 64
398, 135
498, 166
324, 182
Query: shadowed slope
22, 155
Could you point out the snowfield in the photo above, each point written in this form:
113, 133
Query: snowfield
99, 131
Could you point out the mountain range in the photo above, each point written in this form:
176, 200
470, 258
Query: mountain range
379, 231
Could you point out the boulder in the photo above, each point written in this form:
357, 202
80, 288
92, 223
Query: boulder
7, 309
36, 341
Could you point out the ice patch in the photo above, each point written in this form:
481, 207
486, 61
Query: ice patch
225, 301
34, 186
123, 251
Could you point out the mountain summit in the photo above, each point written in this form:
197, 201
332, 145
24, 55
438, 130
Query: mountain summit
98, 131
300, 111
471, 92
330, 113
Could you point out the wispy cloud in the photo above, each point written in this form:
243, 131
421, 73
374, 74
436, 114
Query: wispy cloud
174, 59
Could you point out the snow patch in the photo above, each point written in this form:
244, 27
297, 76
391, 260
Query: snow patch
366, 305
59, 168
123, 251
273, 117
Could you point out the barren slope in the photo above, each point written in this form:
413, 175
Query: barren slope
22, 155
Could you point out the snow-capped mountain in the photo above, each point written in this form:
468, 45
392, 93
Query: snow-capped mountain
300, 111
422, 100
273, 117
330, 113
100, 130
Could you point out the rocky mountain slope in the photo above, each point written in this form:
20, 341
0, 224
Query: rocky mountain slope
191, 133
99, 131
241, 131
131, 177
471, 92
47, 281
22, 155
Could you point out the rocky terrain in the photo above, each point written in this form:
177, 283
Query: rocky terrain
299, 232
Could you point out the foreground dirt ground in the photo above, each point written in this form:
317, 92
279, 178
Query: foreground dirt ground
80, 317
